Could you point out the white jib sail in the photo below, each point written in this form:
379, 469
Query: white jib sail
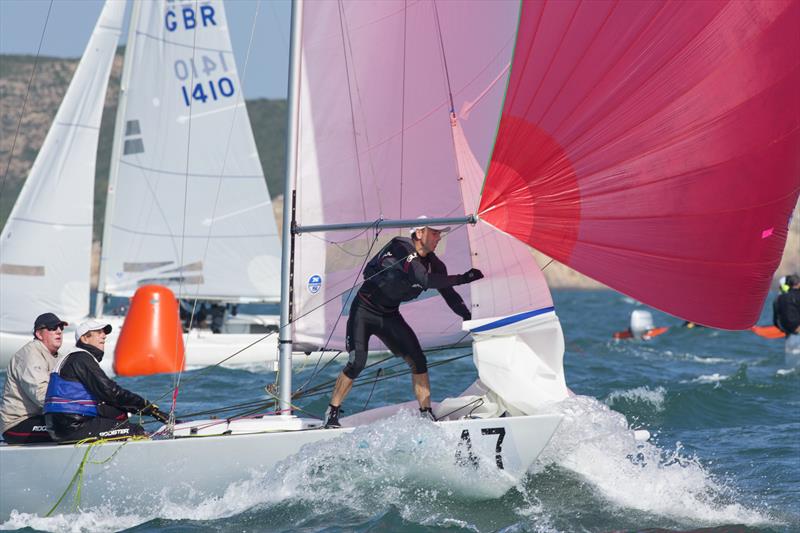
45, 246
189, 202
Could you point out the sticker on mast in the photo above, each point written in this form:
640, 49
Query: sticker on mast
314, 284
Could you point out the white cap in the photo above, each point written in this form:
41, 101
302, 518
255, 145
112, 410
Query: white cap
91, 325
443, 229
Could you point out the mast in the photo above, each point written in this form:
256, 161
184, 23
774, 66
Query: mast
116, 150
285, 333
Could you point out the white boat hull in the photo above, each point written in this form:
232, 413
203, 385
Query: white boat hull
143, 473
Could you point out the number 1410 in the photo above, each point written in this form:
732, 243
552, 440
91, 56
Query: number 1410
221, 88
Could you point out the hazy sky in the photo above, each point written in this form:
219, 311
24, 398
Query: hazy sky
71, 23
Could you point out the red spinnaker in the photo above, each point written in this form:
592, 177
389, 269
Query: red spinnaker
655, 147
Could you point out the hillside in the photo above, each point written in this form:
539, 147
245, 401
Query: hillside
268, 118
49, 85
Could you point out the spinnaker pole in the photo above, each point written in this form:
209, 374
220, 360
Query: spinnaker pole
285, 333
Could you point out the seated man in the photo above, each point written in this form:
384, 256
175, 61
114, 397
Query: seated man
21, 416
82, 402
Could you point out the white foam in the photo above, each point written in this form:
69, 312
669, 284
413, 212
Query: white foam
401, 461
596, 443
708, 378
100, 519
710, 360
644, 394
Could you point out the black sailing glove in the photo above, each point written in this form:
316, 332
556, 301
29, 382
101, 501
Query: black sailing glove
153, 410
161, 416
473, 274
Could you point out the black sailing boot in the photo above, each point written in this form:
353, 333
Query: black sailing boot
427, 413
332, 416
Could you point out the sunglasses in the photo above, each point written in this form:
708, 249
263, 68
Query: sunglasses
54, 328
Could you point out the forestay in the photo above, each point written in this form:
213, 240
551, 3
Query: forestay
188, 203
45, 246
377, 139
655, 147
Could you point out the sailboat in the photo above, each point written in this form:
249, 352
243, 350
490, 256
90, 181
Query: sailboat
624, 139
187, 205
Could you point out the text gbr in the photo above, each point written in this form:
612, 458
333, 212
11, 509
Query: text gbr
191, 70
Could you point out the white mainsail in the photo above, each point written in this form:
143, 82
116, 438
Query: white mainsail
45, 247
188, 205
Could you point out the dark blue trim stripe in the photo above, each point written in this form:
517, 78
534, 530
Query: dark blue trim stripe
512, 319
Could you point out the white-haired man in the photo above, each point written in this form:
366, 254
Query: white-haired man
83, 402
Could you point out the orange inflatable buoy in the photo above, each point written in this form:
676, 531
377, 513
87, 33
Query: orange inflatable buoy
151, 338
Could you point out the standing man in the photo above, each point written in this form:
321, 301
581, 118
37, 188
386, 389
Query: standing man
21, 416
400, 272
786, 315
82, 402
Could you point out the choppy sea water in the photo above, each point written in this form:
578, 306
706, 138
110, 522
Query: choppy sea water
723, 409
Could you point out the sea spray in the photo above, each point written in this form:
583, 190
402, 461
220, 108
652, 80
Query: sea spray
652, 397
596, 443
99, 519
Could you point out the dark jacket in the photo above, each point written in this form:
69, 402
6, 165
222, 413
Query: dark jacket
398, 274
786, 311
113, 401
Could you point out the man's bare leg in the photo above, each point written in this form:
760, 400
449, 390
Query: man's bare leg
341, 389
422, 389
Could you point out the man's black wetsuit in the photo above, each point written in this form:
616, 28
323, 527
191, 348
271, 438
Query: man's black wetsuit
112, 401
397, 274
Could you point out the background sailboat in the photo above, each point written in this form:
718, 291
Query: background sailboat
45, 247
187, 202
188, 205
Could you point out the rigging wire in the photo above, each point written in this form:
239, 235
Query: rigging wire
352, 109
403, 105
221, 176
25, 99
177, 378
444, 56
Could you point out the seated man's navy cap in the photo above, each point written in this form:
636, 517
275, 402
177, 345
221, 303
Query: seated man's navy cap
48, 320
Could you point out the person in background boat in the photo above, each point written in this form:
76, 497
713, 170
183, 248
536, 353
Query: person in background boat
82, 402
782, 285
399, 272
786, 312
193, 315
27, 376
